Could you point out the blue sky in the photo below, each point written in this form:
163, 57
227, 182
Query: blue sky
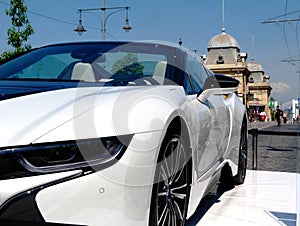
195, 21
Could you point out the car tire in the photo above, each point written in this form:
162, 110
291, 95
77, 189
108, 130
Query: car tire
171, 188
243, 149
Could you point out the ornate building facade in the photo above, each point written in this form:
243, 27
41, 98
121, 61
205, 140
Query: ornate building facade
224, 57
259, 90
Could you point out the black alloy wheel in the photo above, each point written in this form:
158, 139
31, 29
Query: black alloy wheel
170, 193
242, 165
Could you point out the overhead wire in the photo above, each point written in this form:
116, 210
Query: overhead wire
293, 60
297, 37
284, 30
60, 21
50, 18
290, 13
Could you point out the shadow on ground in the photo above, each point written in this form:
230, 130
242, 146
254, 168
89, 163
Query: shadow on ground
226, 183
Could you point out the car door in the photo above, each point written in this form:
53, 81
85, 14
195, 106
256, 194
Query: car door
212, 121
221, 129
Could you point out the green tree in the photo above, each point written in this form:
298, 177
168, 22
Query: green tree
128, 65
20, 31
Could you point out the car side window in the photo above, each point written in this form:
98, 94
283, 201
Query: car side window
187, 85
196, 85
197, 73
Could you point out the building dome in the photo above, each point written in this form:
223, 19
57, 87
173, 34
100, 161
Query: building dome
255, 67
223, 40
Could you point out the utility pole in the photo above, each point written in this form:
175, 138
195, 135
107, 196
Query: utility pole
103, 20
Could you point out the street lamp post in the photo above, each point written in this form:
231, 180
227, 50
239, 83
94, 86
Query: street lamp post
80, 29
103, 20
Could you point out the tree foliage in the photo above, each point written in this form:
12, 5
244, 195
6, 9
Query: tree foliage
128, 65
20, 31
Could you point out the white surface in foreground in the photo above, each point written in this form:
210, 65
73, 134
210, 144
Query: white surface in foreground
249, 204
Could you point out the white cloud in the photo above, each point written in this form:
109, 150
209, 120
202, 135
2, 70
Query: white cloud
280, 87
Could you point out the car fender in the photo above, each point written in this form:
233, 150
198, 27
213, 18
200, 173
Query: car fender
128, 111
238, 114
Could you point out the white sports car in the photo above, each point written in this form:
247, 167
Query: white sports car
115, 133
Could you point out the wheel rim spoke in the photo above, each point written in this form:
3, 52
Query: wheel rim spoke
171, 151
173, 213
169, 217
172, 187
244, 147
162, 194
179, 196
179, 187
178, 211
165, 172
179, 164
173, 217
242, 165
163, 216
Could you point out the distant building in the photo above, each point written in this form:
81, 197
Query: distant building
224, 57
259, 89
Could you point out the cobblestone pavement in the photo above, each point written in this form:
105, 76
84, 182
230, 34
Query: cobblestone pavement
277, 152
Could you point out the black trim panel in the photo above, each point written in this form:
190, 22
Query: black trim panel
23, 209
23, 205
6, 222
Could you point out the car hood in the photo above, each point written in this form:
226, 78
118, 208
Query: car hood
85, 112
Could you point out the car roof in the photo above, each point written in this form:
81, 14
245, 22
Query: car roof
144, 42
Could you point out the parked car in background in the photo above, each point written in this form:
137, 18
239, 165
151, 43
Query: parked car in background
115, 133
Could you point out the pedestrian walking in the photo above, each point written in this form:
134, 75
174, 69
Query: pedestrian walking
284, 116
278, 115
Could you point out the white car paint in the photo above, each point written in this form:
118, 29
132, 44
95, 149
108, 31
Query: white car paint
120, 194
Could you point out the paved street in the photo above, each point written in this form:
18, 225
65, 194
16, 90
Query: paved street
277, 152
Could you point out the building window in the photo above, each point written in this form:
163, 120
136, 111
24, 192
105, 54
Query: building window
220, 60
239, 59
251, 97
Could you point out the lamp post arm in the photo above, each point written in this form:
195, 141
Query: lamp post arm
105, 8
120, 10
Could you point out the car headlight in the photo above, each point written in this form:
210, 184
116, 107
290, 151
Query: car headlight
63, 155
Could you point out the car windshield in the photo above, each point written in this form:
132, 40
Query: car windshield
106, 63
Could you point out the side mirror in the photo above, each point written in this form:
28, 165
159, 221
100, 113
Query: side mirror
218, 85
